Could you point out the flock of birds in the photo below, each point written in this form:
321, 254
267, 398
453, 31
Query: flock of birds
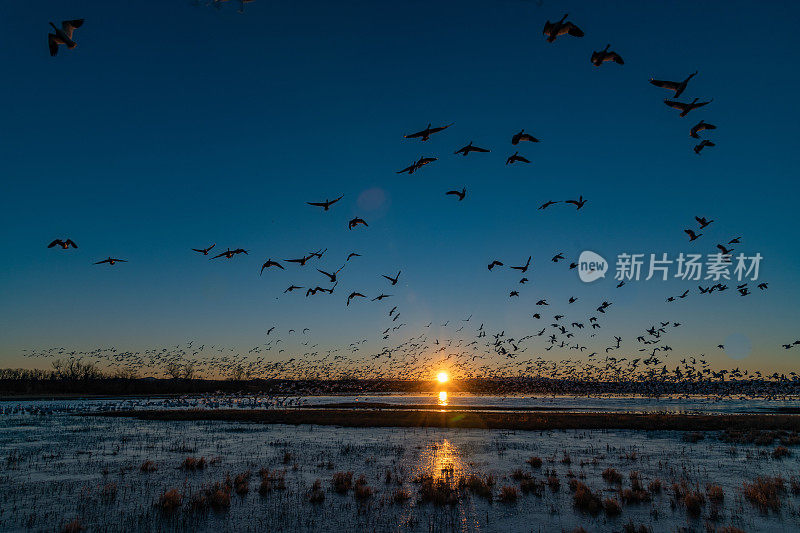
474, 351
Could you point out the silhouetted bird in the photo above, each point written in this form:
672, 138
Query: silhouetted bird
562, 27
63, 35
326, 204
469, 148
63, 244
461, 194
677, 86
425, 134
601, 56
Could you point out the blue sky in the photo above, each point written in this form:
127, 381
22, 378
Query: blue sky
174, 126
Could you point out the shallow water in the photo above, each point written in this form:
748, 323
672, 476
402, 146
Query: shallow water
54, 467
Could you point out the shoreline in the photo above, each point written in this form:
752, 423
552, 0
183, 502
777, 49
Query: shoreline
470, 419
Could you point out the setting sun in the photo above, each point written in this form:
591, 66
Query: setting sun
442, 377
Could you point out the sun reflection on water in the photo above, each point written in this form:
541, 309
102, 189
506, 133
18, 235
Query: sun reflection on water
443, 398
441, 460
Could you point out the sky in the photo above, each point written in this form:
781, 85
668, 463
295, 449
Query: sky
175, 125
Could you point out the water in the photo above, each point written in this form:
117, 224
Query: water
54, 469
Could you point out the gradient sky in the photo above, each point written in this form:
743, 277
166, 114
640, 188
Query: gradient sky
175, 125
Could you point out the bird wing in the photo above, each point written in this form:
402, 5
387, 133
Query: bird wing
573, 30
70, 25
675, 105
476, 149
440, 128
53, 42
520, 158
415, 135
616, 58
318, 204
57, 241
672, 85
70, 242
103, 261
407, 169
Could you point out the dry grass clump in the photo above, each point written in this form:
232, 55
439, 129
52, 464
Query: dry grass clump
585, 500
437, 492
170, 500
401, 495
316, 494
715, 493
535, 462
765, 492
193, 463
520, 475
533, 486
760, 437
694, 502
553, 482
612, 507
241, 483
636, 493
612, 476
74, 526
478, 485
108, 493
147, 467
361, 490
566, 459
342, 482
508, 494
271, 481
287, 458
654, 486
780, 452
794, 485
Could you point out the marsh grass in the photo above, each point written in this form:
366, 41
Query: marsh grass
765, 493
585, 500
342, 482
170, 500
147, 467
508, 494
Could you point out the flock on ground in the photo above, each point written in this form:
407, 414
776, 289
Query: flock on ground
418, 356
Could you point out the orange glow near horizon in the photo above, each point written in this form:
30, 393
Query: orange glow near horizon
443, 398
443, 377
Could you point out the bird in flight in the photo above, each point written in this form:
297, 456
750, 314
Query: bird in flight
547, 204
355, 222
326, 204
418, 164
684, 108
204, 251
523, 268
354, 295
601, 56
577, 203
513, 293
332, 277
700, 126
425, 134
63, 244
290, 289
469, 148
562, 27
677, 86
230, 253
702, 144
703, 222
557, 257
381, 297
494, 264
352, 254
111, 261
522, 136
394, 279
63, 35
461, 194
302, 261
270, 263
692, 235
516, 157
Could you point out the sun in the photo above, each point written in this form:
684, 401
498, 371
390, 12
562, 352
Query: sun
442, 377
